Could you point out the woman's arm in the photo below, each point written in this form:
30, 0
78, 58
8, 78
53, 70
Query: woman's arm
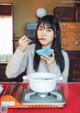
51, 64
54, 68
17, 64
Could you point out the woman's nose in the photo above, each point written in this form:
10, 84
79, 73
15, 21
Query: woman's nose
43, 32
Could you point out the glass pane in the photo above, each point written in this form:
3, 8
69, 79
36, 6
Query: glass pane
6, 35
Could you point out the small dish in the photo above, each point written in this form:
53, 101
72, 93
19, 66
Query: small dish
45, 51
1, 88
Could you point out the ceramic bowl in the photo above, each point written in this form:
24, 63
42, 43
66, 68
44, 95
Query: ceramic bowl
45, 51
42, 82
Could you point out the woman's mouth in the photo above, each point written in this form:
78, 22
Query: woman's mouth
42, 39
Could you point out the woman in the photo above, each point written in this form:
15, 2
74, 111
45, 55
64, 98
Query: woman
48, 35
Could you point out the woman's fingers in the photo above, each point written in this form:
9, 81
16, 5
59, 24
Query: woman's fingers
24, 42
24, 39
48, 59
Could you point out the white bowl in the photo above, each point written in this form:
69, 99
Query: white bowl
42, 82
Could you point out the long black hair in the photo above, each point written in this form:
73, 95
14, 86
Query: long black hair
53, 23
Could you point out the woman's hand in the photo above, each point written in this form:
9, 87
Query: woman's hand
48, 59
23, 43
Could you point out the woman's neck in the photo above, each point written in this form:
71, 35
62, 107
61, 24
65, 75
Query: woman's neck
46, 46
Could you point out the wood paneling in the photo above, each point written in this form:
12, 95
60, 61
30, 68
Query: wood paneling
70, 35
65, 14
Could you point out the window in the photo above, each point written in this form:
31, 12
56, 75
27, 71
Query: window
6, 33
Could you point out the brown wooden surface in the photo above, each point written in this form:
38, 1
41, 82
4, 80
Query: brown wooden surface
70, 35
15, 90
65, 14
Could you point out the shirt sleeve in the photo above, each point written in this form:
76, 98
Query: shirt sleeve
54, 68
65, 73
17, 64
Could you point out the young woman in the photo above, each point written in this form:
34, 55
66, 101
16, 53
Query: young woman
48, 35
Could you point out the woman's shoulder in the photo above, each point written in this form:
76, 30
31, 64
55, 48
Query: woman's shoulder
65, 54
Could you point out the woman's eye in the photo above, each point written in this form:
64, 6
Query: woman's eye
40, 29
48, 29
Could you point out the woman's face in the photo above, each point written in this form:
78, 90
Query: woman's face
45, 35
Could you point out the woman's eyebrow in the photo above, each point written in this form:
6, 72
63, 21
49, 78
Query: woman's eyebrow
44, 27
41, 26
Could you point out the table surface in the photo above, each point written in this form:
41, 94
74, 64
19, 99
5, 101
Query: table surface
72, 94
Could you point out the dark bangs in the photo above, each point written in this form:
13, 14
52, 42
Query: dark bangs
47, 21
